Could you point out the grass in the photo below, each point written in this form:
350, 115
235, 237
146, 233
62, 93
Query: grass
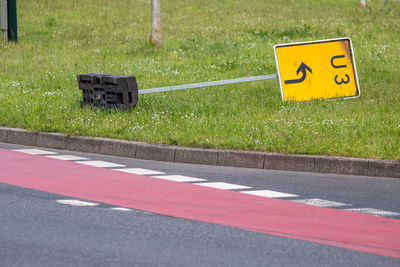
204, 41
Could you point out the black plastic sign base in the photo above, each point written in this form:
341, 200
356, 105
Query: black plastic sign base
105, 90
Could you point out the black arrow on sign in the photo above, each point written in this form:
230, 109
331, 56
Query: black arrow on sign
303, 68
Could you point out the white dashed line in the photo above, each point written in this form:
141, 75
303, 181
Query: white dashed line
139, 171
35, 151
127, 209
320, 202
121, 209
372, 211
75, 202
222, 185
179, 178
67, 157
268, 193
100, 163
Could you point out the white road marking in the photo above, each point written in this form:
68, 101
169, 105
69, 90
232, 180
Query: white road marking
179, 178
127, 209
35, 151
268, 193
100, 163
320, 202
139, 171
222, 185
67, 157
372, 211
75, 202
121, 209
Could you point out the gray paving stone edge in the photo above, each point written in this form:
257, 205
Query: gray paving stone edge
217, 157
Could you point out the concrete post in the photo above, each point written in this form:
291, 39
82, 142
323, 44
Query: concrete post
4, 20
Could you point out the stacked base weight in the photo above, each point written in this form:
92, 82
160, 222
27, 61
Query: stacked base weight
107, 90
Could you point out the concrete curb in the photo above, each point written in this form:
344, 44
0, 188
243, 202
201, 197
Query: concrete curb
233, 158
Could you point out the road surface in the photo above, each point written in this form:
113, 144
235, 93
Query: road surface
64, 208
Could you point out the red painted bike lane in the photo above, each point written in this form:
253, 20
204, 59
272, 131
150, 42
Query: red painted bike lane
265, 215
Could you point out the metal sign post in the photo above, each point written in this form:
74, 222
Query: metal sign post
207, 84
12, 21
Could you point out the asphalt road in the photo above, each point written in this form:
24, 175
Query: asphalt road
38, 229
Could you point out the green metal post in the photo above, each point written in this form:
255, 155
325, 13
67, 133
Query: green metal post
12, 20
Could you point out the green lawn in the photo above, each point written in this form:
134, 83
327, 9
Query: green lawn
204, 41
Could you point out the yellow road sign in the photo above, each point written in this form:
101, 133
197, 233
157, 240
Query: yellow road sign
316, 70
